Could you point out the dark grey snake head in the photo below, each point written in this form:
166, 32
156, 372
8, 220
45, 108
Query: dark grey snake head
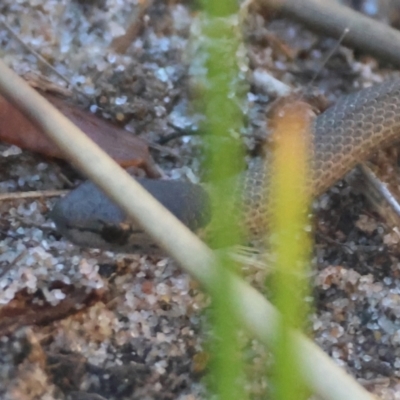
87, 217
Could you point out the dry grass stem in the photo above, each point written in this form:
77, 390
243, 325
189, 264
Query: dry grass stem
321, 373
37, 194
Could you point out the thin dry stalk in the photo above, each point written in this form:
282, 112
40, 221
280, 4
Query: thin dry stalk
258, 315
333, 19
37, 194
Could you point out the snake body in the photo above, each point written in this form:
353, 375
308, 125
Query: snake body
342, 136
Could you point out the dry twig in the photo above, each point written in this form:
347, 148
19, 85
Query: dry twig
37, 194
257, 314
380, 187
121, 43
332, 19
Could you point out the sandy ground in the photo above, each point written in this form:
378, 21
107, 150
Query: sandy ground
142, 323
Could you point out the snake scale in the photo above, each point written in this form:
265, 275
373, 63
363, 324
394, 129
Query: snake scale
342, 136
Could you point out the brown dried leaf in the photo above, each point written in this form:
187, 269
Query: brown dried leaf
122, 146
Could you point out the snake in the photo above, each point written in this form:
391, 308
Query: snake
344, 135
